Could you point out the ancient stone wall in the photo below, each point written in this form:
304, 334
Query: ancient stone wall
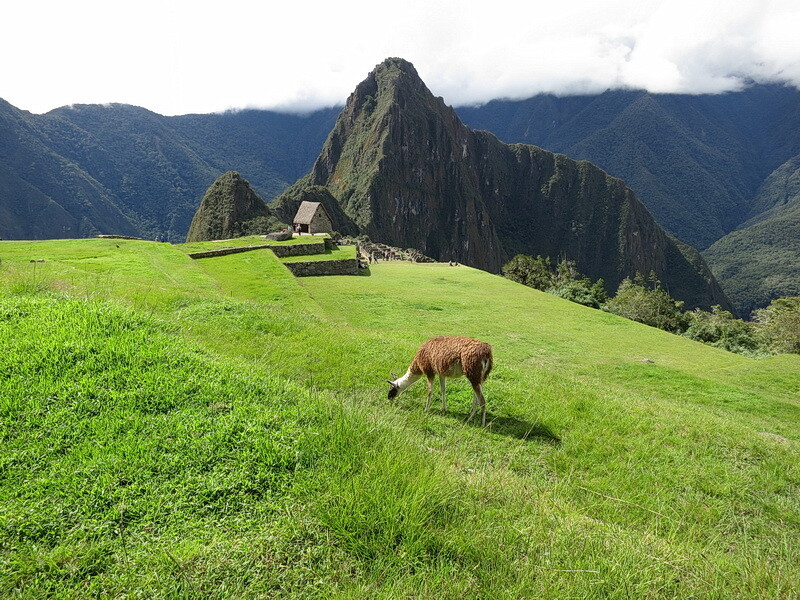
298, 249
280, 251
344, 266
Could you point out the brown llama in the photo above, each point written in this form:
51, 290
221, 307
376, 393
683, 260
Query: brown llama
449, 357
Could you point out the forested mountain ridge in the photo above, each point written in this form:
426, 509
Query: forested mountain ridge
715, 170
88, 169
231, 209
696, 162
760, 261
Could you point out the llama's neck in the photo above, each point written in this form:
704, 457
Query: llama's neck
407, 379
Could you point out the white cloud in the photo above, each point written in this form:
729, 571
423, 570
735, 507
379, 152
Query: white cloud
176, 56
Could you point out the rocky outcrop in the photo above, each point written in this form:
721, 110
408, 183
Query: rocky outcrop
405, 170
230, 208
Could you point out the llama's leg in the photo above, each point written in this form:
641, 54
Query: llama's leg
483, 406
478, 401
442, 387
430, 391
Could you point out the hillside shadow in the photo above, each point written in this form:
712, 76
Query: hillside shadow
511, 427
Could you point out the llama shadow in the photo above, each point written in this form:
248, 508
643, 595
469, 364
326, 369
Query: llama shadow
511, 427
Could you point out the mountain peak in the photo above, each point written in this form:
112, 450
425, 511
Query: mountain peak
396, 65
230, 208
392, 79
407, 171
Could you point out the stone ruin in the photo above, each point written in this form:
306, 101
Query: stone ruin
382, 252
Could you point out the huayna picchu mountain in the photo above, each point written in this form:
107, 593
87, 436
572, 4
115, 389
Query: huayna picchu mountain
230, 208
406, 171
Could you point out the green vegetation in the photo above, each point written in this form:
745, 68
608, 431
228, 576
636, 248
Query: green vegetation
645, 301
760, 261
248, 240
780, 324
564, 280
218, 429
776, 329
719, 328
230, 209
338, 253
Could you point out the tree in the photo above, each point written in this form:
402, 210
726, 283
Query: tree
533, 272
719, 328
645, 301
575, 286
564, 281
779, 325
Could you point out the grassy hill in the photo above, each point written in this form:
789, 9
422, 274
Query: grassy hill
216, 428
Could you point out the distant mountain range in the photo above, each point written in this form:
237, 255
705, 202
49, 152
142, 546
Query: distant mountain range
718, 172
88, 169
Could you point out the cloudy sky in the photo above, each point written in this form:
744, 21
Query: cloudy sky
177, 56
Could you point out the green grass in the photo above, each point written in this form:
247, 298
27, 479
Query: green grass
219, 429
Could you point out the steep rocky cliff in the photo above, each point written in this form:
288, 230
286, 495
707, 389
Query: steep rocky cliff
230, 208
408, 172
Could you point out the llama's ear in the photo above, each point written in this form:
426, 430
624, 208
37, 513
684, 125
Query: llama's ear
394, 375
390, 382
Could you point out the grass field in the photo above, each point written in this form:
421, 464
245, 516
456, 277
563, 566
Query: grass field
219, 429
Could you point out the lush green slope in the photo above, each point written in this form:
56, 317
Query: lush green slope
217, 429
761, 261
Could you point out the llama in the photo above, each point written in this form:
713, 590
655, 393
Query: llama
449, 357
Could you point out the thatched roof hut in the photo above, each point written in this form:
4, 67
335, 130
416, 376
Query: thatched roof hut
312, 218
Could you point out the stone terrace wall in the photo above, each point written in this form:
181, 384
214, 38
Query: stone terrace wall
280, 251
298, 249
343, 266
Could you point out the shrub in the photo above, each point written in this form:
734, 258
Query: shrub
564, 281
645, 301
533, 272
779, 325
719, 328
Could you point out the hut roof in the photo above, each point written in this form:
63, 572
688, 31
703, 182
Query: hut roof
307, 211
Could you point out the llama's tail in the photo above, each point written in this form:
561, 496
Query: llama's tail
486, 366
